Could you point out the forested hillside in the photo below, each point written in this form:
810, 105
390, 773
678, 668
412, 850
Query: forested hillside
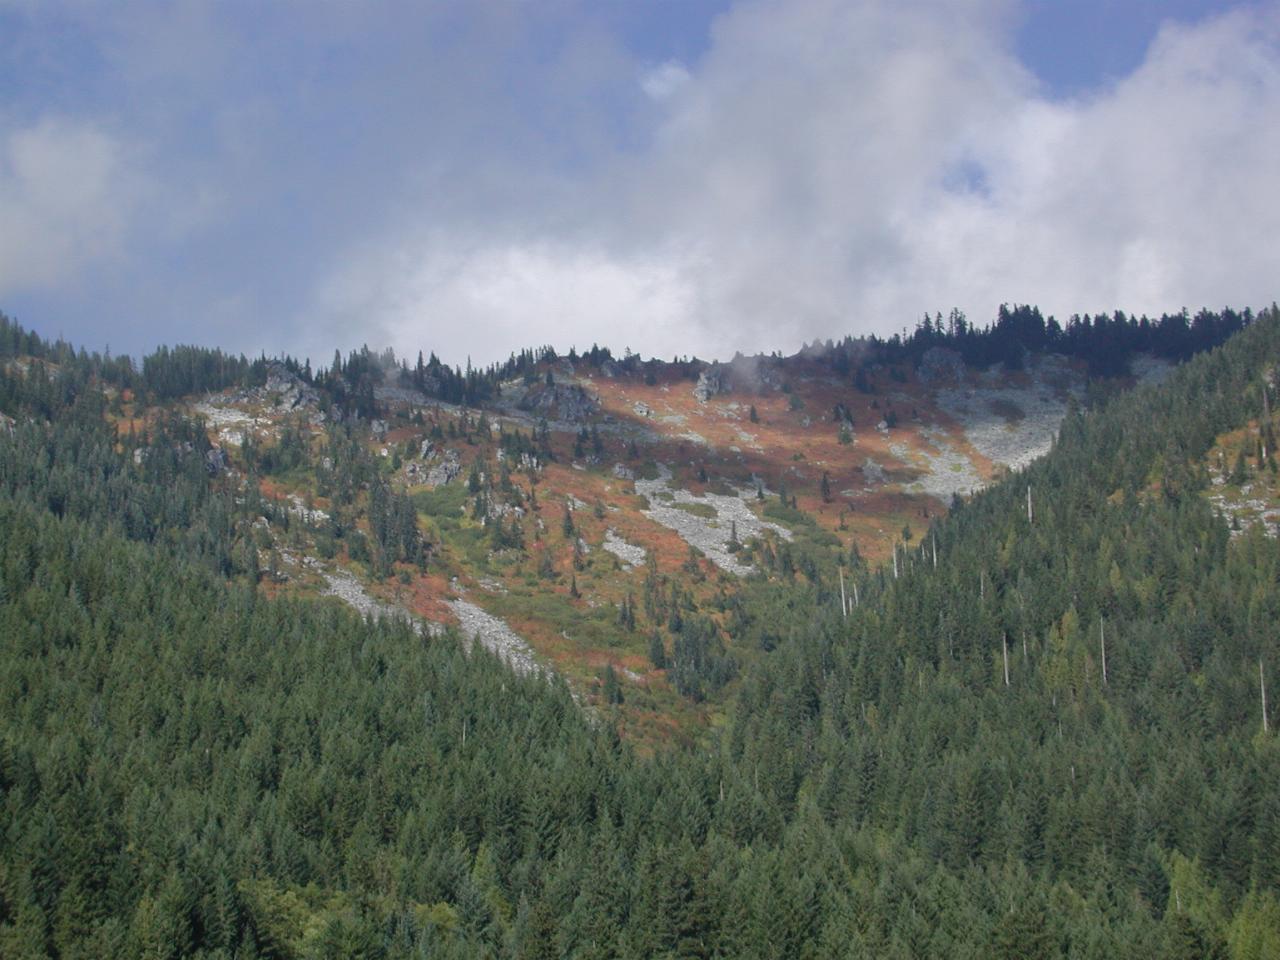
1038, 731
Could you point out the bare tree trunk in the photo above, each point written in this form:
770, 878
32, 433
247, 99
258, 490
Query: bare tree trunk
844, 606
895, 560
1029, 514
1102, 638
935, 551
1262, 684
1004, 643
1266, 413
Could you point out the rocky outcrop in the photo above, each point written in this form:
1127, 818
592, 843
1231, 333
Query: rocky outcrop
287, 391
558, 401
712, 381
445, 470
215, 461
526, 462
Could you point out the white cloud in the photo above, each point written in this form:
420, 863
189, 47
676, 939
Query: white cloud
67, 194
484, 299
665, 80
477, 183
834, 166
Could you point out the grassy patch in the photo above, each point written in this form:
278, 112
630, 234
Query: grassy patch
445, 501
788, 516
704, 510
585, 628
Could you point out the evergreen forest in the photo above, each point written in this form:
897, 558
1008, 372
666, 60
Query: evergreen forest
1042, 732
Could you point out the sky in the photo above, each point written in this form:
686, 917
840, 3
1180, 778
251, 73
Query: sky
673, 177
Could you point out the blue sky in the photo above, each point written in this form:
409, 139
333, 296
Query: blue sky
674, 176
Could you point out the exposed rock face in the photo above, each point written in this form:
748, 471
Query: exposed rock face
712, 381
444, 471
560, 401
215, 461
288, 390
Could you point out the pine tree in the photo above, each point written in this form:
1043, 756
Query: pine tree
612, 689
657, 651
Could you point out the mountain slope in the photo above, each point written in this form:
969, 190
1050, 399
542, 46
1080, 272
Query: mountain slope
189, 763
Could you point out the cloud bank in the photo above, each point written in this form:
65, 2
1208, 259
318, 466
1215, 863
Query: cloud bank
822, 167
67, 198
836, 167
